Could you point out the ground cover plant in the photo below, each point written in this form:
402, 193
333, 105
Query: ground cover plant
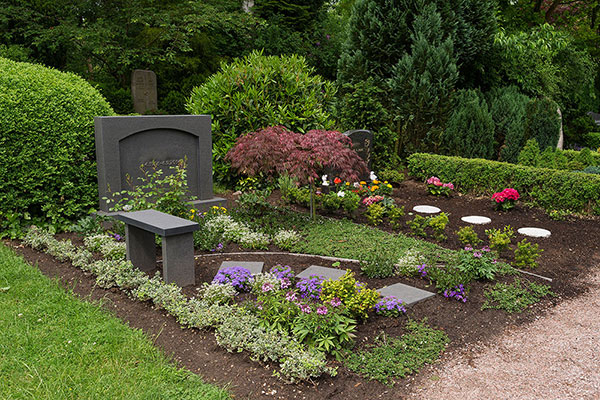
55, 346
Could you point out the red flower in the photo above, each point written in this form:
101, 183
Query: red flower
337, 181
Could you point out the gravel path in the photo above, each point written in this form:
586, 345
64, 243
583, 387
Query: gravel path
555, 357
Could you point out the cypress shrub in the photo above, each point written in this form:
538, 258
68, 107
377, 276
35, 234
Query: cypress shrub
507, 106
548, 188
542, 122
258, 91
470, 129
47, 152
530, 155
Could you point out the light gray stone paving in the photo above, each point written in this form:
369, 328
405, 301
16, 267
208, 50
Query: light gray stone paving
408, 294
327, 273
255, 267
534, 232
426, 209
476, 219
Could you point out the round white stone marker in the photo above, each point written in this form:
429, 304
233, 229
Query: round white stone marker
534, 232
426, 209
476, 219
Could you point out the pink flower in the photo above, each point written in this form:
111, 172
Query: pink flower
438, 183
305, 308
267, 287
291, 296
449, 185
322, 310
433, 180
335, 302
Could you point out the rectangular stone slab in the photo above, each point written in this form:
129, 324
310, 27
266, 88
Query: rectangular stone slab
325, 272
408, 294
158, 222
255, 267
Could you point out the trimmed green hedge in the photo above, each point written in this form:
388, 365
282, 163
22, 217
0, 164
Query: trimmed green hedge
47, 152
548, 188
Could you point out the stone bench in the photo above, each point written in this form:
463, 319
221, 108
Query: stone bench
177, 243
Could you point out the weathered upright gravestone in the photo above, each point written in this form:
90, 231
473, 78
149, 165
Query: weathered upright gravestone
143, 91
362, 143
125, 146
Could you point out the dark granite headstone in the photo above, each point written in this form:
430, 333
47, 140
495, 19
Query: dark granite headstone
143, 91
595, 117
123, 144
362, 143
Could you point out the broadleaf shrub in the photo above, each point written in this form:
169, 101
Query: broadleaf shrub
257, 91
47, 152
548, 188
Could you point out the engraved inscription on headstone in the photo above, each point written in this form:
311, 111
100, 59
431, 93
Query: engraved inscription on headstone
125, 146
143, 90
362, 143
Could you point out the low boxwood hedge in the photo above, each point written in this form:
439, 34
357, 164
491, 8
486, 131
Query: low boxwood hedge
547, 188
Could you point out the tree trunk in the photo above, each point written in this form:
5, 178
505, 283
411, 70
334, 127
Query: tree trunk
537, 7
551, 10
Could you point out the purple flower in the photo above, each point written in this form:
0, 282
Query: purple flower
310, 287
486, 249
468, 248
477, 254
322, 310
238, 277
458, 293
117, 237
328, 36
282, 271
423, 270
390, 306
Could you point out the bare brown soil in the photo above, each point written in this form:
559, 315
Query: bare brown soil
568, 257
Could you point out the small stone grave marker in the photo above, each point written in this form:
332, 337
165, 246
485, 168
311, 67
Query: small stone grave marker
426, 209
534, 232
125, 144
325, 272
362, 143
476, 220
255, 267
408, 294
143, 91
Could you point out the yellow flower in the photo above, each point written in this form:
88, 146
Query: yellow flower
374, 188
347, 183
389, 185
363, 182
375, 182
385, 182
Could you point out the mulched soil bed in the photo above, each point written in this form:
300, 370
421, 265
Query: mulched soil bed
569, 254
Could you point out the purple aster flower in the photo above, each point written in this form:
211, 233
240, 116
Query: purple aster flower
282, 271
238, 277
310, 287
423, 270
390, 306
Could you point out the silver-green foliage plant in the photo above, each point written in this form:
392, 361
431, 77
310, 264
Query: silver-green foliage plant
257, 91
286, 239
514, 297
215, 293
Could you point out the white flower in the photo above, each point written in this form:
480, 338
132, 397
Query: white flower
356, 184
127, 207
373, 177
324, 179
341, 193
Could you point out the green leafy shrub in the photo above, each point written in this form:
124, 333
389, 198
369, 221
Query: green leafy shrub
438, 224
395, 214
500, 239
592, 140
468, 237
391, 175
480, 264
258, 91
393, 358
546, 188
354, 295
47, 151
470, 128
375, 213
530, 154
526, 254
514, 297
379, 264
418, 225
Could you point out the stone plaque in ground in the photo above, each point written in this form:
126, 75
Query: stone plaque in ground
125, 145
426, 209
476, 220
362, 143
143, 91
534, 232
255, 267
325, 272
408, 294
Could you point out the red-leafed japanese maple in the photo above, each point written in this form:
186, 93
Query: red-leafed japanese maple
277, 150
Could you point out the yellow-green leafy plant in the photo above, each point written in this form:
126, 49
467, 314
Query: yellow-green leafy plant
500, 239
468, 237
375, 213
357, 298
526, 254
438, 224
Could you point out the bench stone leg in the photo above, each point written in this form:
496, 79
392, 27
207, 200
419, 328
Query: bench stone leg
178, 259
141, 248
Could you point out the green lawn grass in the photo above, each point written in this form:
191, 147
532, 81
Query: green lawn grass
54, 346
